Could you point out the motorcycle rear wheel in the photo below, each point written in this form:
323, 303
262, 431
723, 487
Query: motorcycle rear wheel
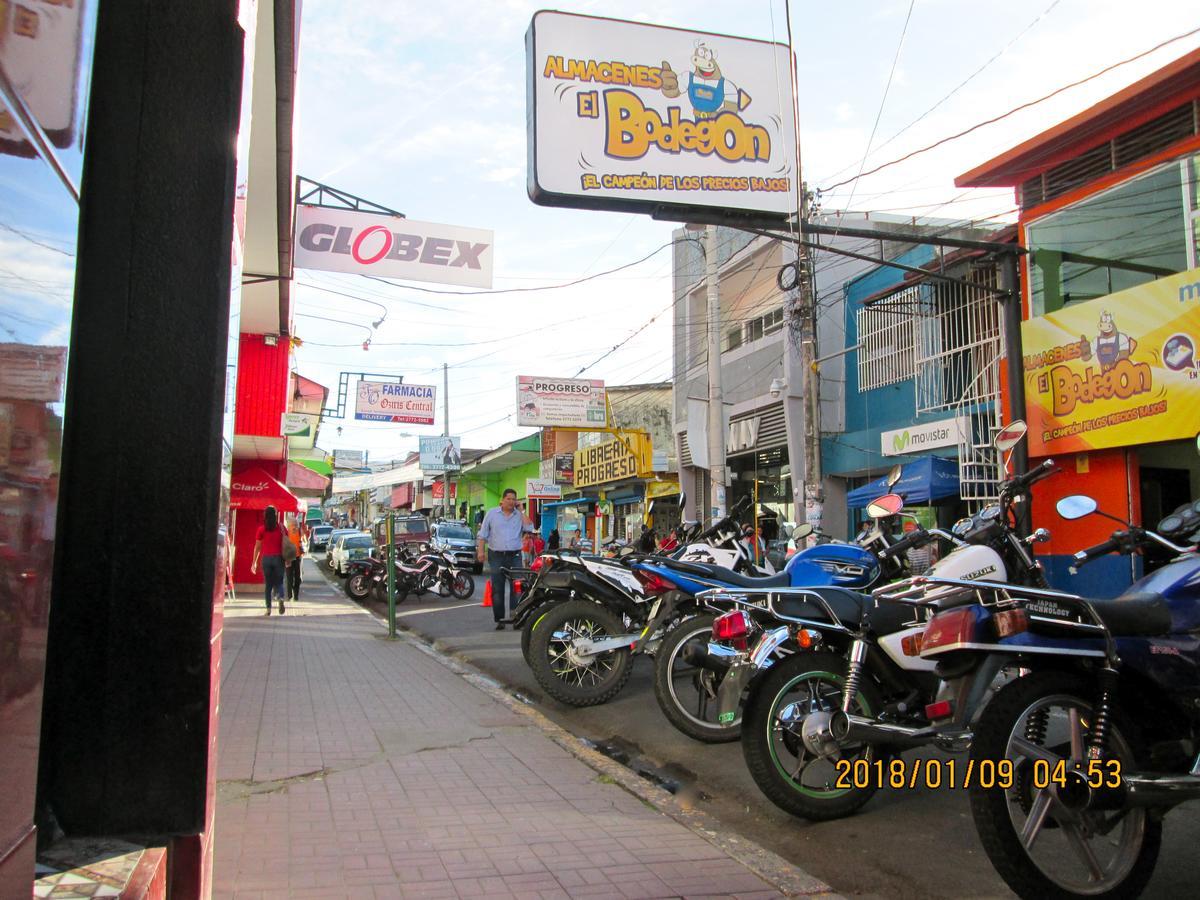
358, 586
777, 758
686, 693
1061, 856
527, 631
562, 673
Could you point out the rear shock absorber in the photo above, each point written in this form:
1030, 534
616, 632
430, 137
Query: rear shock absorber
1035, 726
1102, 715
858, 657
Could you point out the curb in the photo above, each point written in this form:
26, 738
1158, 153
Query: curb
788, 878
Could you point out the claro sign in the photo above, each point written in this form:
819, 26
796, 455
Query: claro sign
346, 240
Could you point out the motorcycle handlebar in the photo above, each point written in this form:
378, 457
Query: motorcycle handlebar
1101, 549
920, 536
1020, 482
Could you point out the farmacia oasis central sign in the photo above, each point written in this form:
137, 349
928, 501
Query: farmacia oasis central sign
645, 118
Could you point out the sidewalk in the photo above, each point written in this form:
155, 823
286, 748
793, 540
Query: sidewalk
351, 766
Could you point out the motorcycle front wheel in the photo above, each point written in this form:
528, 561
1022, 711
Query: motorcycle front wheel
358, 586
527, 631
1035, 825
563, 672
686, 693
462, 586
795, 780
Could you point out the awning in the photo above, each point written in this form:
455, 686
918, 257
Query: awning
255, 489
574, 502
925, 480
320, 466
303, 478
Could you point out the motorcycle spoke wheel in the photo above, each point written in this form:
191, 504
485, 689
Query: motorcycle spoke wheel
569, 665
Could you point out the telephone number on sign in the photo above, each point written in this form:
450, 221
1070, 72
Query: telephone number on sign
902, 774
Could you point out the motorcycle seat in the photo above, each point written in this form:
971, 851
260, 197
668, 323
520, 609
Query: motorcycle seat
889, 617
1135, 615
847, 605
725, 576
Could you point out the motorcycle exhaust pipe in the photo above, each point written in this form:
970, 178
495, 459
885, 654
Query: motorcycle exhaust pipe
847, 729
1145, 789
708, 657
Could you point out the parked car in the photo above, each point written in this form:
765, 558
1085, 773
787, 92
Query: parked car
333, 539
351, 547
455, 538
318, 538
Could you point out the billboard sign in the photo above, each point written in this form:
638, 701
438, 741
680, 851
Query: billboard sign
643, 118
349, 459
386, 401
437, 490
541, 489
613, 461
362, 243
1118, 371
440, 454
925, 436
297, 425
561, 402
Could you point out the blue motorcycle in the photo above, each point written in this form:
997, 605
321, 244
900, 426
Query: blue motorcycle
1096, 734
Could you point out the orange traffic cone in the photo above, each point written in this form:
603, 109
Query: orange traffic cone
487, 593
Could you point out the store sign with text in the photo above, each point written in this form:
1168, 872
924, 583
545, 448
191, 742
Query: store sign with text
1118, 371
438, 490
640, 117
926, 436
297, 425
615, 460
541, 489
561, 402
363, 243
439, 453
385, 401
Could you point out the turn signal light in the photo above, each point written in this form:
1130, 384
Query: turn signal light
807, 639
731, 626
518, 586
1010, 622
911, 645
943, 709
653, 582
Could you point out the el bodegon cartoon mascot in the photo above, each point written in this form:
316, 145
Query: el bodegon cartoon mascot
709, 91
1110, 345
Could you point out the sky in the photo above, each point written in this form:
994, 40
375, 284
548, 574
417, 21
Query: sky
421, 108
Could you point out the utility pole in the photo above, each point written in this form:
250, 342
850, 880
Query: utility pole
447, 478
716, 397
814, 493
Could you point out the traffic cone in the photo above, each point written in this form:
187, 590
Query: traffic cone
487, 593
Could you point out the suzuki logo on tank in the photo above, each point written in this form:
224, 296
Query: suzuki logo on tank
360, 243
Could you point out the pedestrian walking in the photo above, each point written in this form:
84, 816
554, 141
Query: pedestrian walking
669, 543
555, 540
268, 547
539, 544
499, 544
296, 536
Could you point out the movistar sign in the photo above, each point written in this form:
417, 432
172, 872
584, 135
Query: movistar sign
925, 436
346, 240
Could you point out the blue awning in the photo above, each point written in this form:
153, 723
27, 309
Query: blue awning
577, 500
926, 480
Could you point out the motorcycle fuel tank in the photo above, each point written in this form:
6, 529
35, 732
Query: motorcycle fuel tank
843, 565
972, 563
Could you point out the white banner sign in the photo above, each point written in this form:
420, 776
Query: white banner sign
562, 402
362, 243
440, 454
927, 436
539, 489
349, 459
385, 401
297, 425
634, 116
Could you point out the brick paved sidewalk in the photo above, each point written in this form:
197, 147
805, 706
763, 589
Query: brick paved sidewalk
351, 766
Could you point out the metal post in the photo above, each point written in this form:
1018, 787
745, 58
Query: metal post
716, 398
1010, 281
805, 311
447, 501
391, 573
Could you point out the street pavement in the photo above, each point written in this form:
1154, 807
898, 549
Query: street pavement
902, 844
354, 766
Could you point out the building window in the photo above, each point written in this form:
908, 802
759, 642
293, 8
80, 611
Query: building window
772, 321
733, 338
887, 332
754, 330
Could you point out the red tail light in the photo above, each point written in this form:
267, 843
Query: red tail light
946, 629
539, 563
940, 710
654, 583
731, 626
518, 586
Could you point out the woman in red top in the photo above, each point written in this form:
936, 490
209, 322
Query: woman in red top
670, 542
268, 545
539, 544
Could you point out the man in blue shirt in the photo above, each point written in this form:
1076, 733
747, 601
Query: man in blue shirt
501, 532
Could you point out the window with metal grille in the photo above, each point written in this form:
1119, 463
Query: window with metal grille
754, 330
887, 332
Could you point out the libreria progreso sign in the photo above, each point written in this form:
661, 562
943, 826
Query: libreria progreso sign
634, 116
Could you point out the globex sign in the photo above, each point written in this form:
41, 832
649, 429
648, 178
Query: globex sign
346, 240
927, 436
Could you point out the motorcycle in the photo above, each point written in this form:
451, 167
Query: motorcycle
444, 577
862, 691
1096, 739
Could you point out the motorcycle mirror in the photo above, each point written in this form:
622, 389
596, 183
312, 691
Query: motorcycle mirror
887, 505
1198, 443
1075, 506
1010, 435
894, 474
803, 530
682, 499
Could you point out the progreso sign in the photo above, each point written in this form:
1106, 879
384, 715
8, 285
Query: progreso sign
644, 118
1117, 371
613, 460
346, 240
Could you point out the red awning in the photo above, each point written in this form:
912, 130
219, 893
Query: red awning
255, 489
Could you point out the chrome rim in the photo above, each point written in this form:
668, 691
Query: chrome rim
1080, 850
693, 688
573, 667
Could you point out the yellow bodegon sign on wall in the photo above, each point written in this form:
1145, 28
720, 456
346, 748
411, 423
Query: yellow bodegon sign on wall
1117, 371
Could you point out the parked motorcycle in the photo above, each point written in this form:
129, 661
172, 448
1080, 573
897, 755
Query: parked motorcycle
1080, 757
444, 577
